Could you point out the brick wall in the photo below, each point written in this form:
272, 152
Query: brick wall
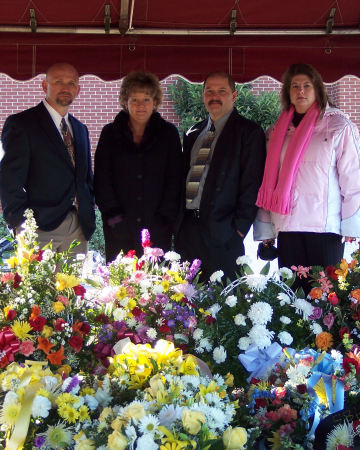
97, 103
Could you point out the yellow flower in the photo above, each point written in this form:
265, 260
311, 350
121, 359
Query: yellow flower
106, 414
65, 399
156, 384
68, 413
47, 331
134, 411
12, 262
117, 423
131, 304
10, 413
122, 293
189, 366
83, 413
165, 285
21, 330
87, 390
229, 379
234, 438
117, 441
64, 281
43, 392
86, 444
58, 307
175, 445
275, 440
192, 420
177, 297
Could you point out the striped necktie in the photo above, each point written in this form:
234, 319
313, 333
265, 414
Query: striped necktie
196, 171
68, 140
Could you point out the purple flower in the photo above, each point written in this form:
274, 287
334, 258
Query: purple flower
73, 383
316, 314
195, 266
329, 320
39, 441
171, 323
141, 332
162, 299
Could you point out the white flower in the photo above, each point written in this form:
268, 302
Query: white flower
119, 314
169, 414
260, 313
261, 336
342, 434
149, 424
214, 309
285, 338
146, 442
304, 307
40, 407
219, 354
231, 300
285, 320
256, 282
145, 284
151, 333
172, 256
240, 319
157, 289
245, 259
205, 344
131, 322
285, 272
336, 355
298, 374
216, 276
244, 343
91, 402
198, 334
284, 299
315, 328
130, 432
11, 398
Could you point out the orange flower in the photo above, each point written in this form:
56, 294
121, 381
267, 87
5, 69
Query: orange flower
343, 270
35, 312
353, 264
65, 369
77, 327
324, 340
315, 293
56, 358
356, 294
44, 344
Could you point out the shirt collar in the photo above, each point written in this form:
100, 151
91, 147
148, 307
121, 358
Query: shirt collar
56, 117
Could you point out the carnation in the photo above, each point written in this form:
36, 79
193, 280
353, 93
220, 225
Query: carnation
285, 320
285, 338
219, 354
40, 406
285, 272
205, 344
261, 336
245, 259
231, 301
216, 276
260, 313
244, 343
214, 309
239, 319
315, 328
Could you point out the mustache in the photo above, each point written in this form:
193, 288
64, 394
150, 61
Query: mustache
215, 101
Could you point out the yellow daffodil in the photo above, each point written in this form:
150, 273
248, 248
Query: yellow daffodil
21, 330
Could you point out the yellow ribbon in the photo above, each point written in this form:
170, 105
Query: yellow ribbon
16, 442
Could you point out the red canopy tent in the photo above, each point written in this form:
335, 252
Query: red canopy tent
189, 37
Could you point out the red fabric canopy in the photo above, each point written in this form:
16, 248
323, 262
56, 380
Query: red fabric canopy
270, 35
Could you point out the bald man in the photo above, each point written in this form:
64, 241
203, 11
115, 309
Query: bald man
47, 166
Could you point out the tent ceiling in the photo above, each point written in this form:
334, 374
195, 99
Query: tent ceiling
249, 38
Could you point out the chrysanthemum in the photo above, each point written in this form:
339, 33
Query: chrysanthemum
169, 414
68, 413
146, 442
21, 330
83, 413
57, 436
304, 307
244, 343
285, 338
260, 313
41, 406
151, 333
261, 336
316, 328
219, 354
284, 299
198, 333
342, 434
256, 282
216, 276
298, 374
231, 300
172, 256
9, 413
149, 424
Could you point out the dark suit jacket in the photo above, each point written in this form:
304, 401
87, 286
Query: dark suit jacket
36, 171
235, 175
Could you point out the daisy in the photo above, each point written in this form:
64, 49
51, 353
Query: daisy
149, 424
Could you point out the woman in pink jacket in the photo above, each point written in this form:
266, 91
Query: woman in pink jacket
310, 195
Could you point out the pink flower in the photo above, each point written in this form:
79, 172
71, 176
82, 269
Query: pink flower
272, 415
27, 348
7, 277
153, 254
139, 275
301, 271
287, 414
143, 301
64, 300
108, 294
325, 283
328, 320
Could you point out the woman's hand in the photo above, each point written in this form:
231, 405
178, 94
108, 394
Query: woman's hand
350, 239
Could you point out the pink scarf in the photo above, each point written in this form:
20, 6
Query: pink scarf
275, 191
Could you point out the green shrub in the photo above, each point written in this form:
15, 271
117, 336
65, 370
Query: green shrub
97, 241
264, 108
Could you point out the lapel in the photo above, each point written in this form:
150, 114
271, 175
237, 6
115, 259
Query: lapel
49, 128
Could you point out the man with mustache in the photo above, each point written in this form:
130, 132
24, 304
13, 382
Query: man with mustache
224, 161
47, 166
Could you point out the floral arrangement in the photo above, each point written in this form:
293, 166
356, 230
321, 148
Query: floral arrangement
42, 314
144, 298
255, 313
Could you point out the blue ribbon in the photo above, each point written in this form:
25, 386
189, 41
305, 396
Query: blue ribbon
259, 361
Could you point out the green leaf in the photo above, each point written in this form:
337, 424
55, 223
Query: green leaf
265, 270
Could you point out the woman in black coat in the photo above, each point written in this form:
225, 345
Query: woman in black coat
138, 164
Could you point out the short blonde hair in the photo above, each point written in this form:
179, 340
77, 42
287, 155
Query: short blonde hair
140, 81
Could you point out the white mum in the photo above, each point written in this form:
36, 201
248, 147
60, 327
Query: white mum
285, 338
260, 313
284, 299
256, 282
261, 336
244, 343
231, 300
216, 276
40, 407
219, 354
245, 259
304, 307
239, 319
315, 328
172, 256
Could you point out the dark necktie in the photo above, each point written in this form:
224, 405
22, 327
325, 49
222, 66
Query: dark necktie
197, 169
68, 140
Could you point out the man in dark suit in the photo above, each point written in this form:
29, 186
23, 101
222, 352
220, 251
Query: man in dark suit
221, 189
47, 166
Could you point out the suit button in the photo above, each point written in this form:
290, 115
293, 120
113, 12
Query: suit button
138, 220
139, 176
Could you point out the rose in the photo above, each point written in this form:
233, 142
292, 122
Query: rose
331, 272
117, 441
76, 342
38, 323
234, 438
192, 420
11, 314
301, 388
134, 411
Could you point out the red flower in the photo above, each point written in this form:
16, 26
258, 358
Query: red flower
11, 314
76, 342
348, 363
59, 324
138, 314
102, 318
209, 320
343, 331
79, 290
16, 280
85, 328
330, 270
254, 380
260, 403
139, 265
130, 253
301, 388
37, 323
147, 243
333, 298
164, 329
